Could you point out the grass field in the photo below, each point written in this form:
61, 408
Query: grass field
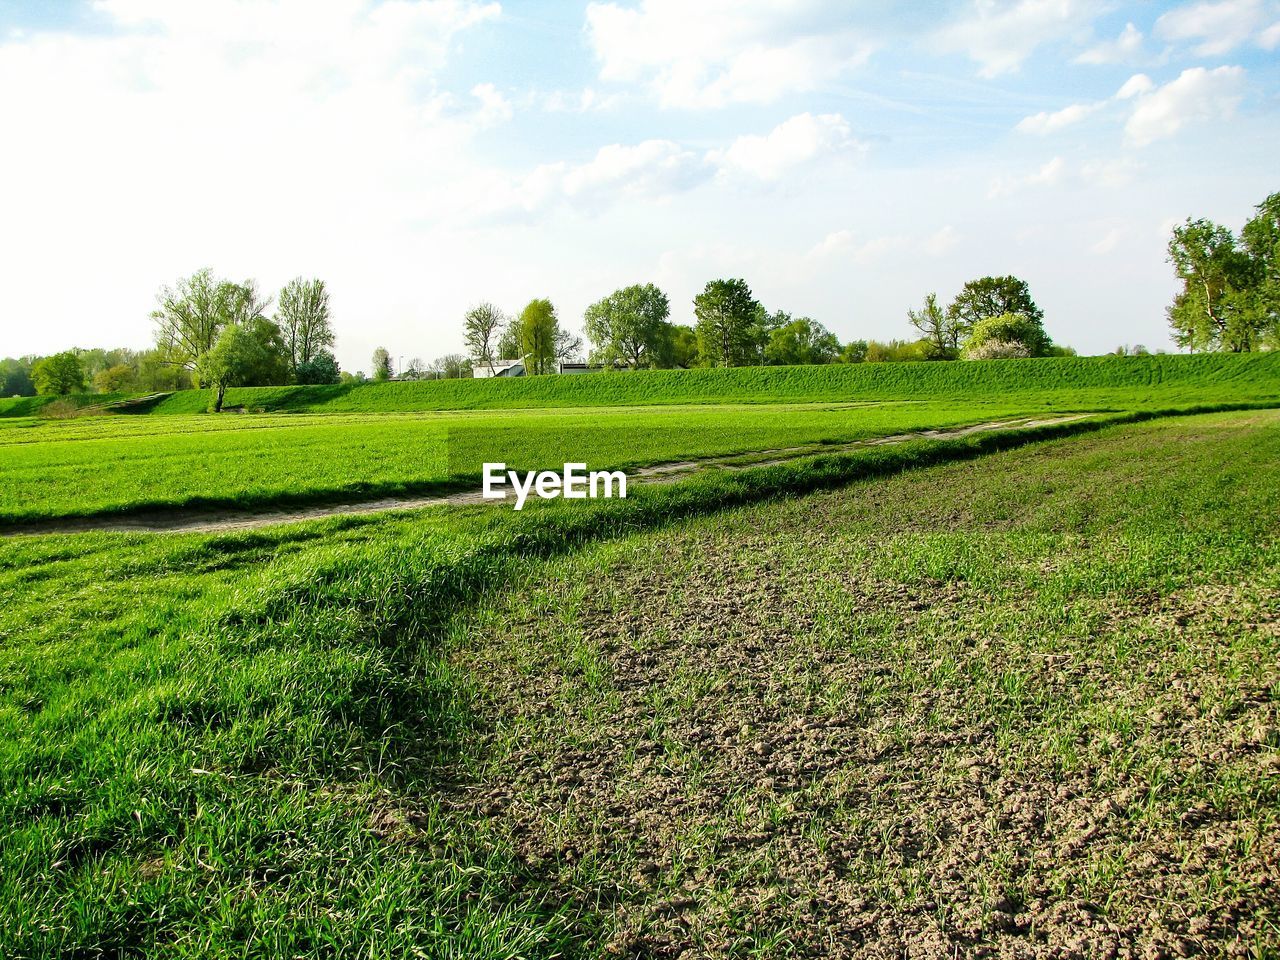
82, 467
1012, 694
163, 458
1026, 702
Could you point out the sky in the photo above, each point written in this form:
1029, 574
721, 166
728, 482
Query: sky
420, 156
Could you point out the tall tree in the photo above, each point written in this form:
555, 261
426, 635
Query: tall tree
303, 318
189, 317
992, 297
942, 329
59, 374
482, 328
381, 364
1215, 310
726, 312
628, 326
191, 314
538, 329
1261, 241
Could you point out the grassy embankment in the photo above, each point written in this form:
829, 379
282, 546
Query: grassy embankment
755, 731
1061, 382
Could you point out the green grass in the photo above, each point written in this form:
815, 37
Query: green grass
112, 464
357, 737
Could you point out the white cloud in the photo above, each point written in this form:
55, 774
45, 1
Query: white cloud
657, 170
1135, 86
651, 170
789, 145
1220, 27
1197, 95
717, 52
1045, 122
1120, 50
494, 107
1051, 174
1001, 35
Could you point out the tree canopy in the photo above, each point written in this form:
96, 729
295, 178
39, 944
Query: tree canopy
942, 329
629, 326
59, 374
801, 340
536, 332
989, 297
303, 318
1006, 336
483, 326
1230, 296
726, 311
191, 315
244, 355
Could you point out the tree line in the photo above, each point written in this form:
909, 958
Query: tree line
631, 329
209, 332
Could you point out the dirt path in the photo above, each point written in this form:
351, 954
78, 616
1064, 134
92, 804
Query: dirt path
218, 520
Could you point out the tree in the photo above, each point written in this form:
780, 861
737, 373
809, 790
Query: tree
15, 378
230, 362
158, 373
271, 362
381, 364
121, 378
509, 340
801, 341
303, 318
321, 368
1010, 335
454, 366
1214, 309
482, 331
568, 346
726, 311
538, 328
679, 347
192, 314
628, 326
941, 328
59, 374
855, 351
989, 297
1260, 239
